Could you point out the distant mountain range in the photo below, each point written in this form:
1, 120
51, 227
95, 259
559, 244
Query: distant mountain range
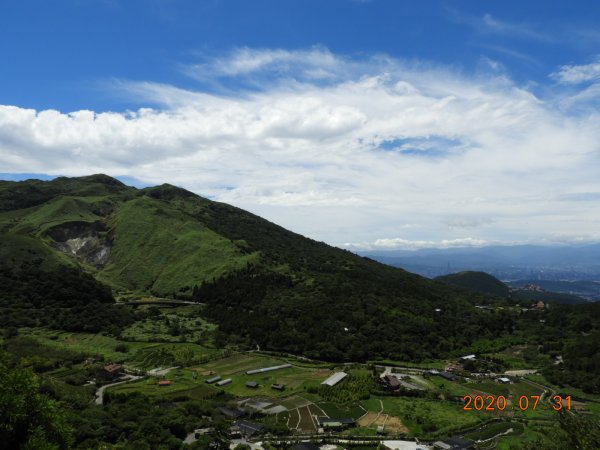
507, 263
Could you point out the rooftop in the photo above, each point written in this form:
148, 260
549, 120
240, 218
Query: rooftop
335, 378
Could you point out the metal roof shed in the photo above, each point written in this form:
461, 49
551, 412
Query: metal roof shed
335, 378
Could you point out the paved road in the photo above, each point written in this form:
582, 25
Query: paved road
100, 392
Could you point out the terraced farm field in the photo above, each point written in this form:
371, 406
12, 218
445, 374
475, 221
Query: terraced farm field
307, 422
138, 354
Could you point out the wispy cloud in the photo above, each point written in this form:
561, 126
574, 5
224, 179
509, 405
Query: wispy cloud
578, 73
509, 52
304, 150
490, 25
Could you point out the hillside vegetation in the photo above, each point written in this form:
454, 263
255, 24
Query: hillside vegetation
263, 285
476, 281
486, 284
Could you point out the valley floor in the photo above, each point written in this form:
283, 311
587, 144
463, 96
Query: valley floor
290, 403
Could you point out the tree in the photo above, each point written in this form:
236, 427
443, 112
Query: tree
28, 419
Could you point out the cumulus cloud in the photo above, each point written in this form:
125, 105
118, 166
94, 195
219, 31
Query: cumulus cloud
342, 149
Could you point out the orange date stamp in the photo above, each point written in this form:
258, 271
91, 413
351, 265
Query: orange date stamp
523, 403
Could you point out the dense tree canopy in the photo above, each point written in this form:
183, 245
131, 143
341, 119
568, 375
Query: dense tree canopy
29, 420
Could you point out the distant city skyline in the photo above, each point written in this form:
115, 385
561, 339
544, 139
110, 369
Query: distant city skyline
369, 125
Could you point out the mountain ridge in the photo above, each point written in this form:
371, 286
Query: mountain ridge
262, 284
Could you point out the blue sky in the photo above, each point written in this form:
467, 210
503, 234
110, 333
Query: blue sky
61, 54
367, 124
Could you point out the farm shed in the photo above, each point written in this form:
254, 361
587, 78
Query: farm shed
448, 376
403, 445
213, 379
336, 423
231, 413
224, 382
335, 378
251, 384
268, 369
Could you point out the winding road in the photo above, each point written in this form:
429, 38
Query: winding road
100, 392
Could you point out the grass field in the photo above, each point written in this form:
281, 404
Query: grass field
519, 357
296, 379
423, 416
453, 388
489, 387
527, 435
185, 383
494, 429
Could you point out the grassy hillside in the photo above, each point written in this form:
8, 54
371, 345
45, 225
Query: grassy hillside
157, 248
476, 281
264, 285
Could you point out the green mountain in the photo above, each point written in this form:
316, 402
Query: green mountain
263, 285
476, 281
486, 284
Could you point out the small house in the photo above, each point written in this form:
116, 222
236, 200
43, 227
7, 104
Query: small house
110, 371
252, 384
390, 382
278, 387
503, 380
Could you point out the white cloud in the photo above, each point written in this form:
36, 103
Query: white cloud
405, 244
309, 152
576, 74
